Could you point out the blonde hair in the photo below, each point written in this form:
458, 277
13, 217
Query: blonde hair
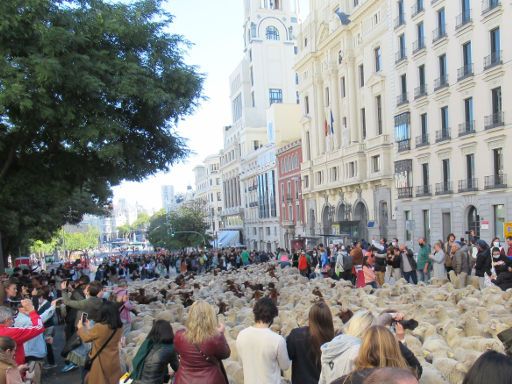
201, 322
379, 349
359, 323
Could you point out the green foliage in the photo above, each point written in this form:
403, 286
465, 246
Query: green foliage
90, 93
81, 241
165, 229
124, 230
41, 248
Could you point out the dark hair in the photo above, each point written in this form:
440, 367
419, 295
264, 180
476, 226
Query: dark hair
321, 328
265, 310
95, 288
450, 235
44, 292
161, 332
109, 315
84, 279
490, 367
496, 249
389, 376
6, 343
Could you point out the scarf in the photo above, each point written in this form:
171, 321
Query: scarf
139, 359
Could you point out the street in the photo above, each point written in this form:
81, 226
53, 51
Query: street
54, 376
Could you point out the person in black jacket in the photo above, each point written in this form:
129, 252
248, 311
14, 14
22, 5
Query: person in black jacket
503, 268
483, 262
150, 364
304, 343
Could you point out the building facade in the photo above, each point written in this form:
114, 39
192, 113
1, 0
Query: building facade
344, 65
168, 197
452, 117
291, 207
264, 77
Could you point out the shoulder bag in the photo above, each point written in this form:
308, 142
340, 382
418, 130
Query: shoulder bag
90, 360
215, 361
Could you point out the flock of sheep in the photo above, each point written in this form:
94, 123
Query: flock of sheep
456, 324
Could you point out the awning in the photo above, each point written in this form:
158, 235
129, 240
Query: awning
228, 239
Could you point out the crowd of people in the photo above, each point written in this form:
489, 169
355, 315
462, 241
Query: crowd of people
381, 262
93, 303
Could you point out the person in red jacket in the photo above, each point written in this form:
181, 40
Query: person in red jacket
20, 335
201, 347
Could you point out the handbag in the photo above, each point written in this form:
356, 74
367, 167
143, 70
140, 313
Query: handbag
215, 361
90, 360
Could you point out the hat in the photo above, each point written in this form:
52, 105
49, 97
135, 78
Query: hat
482, 244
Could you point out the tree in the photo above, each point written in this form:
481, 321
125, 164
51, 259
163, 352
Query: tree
124, 230
41, 248
81, 241
185, 227
90, 93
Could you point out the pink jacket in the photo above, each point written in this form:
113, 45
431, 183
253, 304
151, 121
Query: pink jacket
126, 316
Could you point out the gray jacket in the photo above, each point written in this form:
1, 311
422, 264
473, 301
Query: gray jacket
460, 261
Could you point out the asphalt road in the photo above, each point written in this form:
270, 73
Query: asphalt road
54, 376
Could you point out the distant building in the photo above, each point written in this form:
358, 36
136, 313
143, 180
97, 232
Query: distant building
168, 198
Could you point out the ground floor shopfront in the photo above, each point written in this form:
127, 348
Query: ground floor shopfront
434, 218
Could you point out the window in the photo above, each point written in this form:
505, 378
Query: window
361, 75
297, 98
468, 113
275, 96
219, 197
272, 33
306, 105
401, 14
444, 120
342, 86
319, 178
401, 45
466, 10
496, 101
403, 85
420, 30
334, 174
470, 168
363, 122
408, 226
351, 170
424, 173
446, 171
297, 188
378, 102
252, 76
426, 225
306, 181
376, 164
305, 42
267, 230
495, 41
296, 78
499, 220
290, 213
441, 22
402, 123
497, 156
378, 59
237, 107
421, 76
443, 79
424, 126
327, 97
297, 214
466, 55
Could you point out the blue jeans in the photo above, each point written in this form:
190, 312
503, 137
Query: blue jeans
422, 276
408, 276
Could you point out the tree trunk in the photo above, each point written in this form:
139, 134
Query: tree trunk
2, 261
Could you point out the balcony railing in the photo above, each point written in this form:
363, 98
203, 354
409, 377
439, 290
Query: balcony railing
404, 145
438, 34
493, 60
432, 2
466, 128
420, 91
444, 188
400, 55
494, 120
495, 181
443, 135
405, 193
489, 5
399, 21
422, 141
402, 99
463, 19
423, 190
468, 185
418, 45
441, 82
417, 9
465, 71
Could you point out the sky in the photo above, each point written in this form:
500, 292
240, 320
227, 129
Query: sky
215, 28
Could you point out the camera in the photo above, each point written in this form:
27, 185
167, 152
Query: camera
410, 324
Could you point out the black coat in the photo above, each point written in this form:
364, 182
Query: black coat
483, 263
504, 280
155, 365
304, 369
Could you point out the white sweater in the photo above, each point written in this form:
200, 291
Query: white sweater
263, 354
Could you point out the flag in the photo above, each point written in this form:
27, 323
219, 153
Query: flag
326, 128
332, 124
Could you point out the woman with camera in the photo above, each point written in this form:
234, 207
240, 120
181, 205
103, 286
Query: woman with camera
104, 365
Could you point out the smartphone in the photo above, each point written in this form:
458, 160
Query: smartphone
84, 317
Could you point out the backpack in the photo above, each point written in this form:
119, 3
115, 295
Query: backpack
347, 262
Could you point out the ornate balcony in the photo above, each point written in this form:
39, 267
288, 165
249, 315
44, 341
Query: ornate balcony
463, 19
444, 188
405, 193
495, 120
494, 59
466, 128
401, 55
438, 34
468, 185
402, 99
441, 82
495, 181
420, 91
465, 71
404, 145
416, 9
399, 21
418, 45
443, 135
489, 5
422, 141
423, 190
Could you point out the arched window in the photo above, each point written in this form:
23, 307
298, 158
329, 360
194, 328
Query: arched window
272, 33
